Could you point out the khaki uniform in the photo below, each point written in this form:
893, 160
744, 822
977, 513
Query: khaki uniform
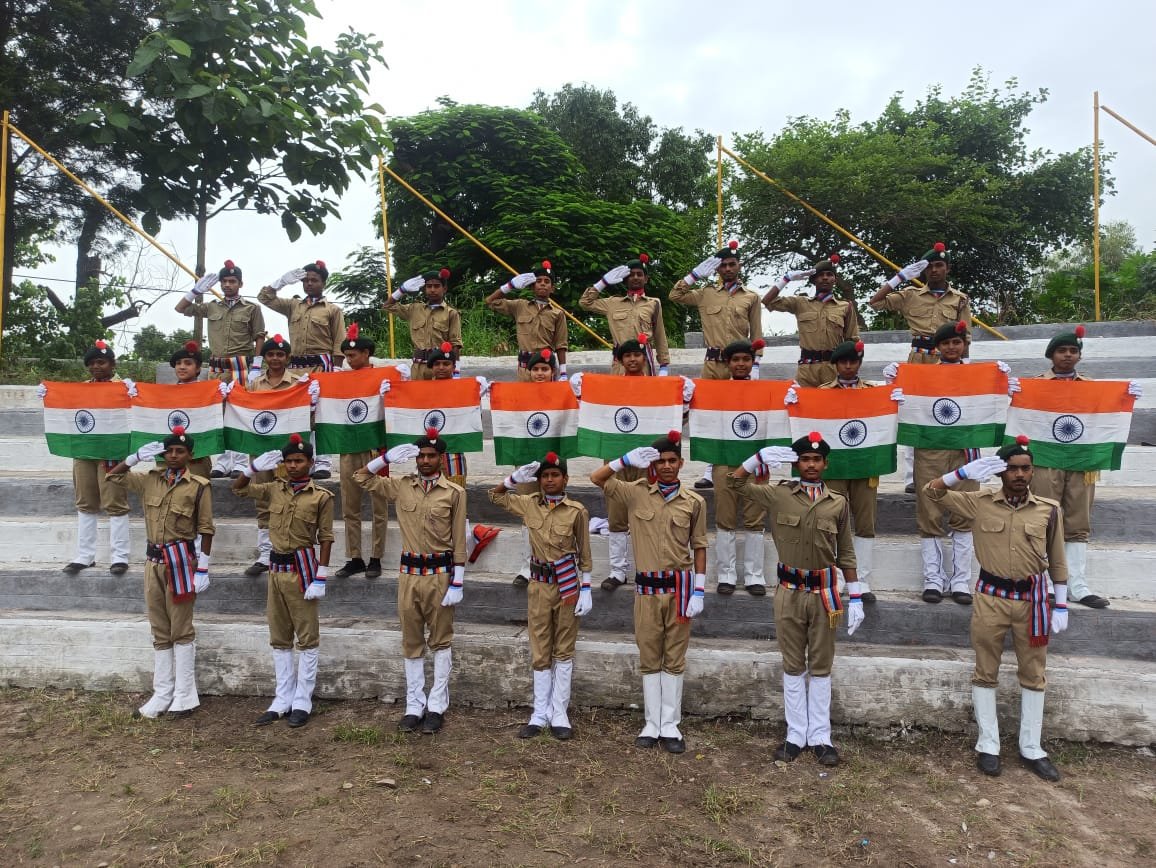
617, 512
428, 327
925, 313
931, 464
431, 522
727, 503
233, 331
94, 493
628, 317
172, 513
1012, 543
554, 533
314, 329
823, 325
538, 326
264, 384
296, 521
665, 535
351, 508
727, 316
862, 494
1075, 490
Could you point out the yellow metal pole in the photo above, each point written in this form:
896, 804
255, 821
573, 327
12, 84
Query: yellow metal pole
1129, 125
1096, 200
385, 240
3, 207
489, 252
719, 171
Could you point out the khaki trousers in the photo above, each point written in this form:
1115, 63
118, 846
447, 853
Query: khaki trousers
815, 374
863, 495
727, 504
420, 371
805, 635
351, 494
931, 464
715, 370
94, 494
289, 613
991, 618
661, 638
1075, 494
551, 623
171, 623
914, 358
617, 513
419, 605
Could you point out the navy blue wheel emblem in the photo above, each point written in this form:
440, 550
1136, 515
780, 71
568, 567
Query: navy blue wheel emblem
1067, 429
264, 422
435, 419
853, 432
356, 411
85, 421
946, 411
178, 417
625, 420
745, 425
538, 424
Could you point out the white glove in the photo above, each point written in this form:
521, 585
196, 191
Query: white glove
201, 576
483, 386
615, 275
640, 456
265, 461
576, 384
205, 283
225, 388
1135, 389
799, 274
694, 604
703, 270
907, 272
891, 371
899, 398
978, 470
687, 389
294, 276
585, 601
413, 285
130, 387
405, 371
525, 473
304, 378
41, 391
316, 589
855, 613
1013, 385
519, 282
663, 371
314, 392
772, 456
402, 452
755, 370
384, 388
792, 397
1060, 612
146, 453
454, 591
1004, 368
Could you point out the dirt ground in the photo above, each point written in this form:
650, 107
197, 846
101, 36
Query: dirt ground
85, 784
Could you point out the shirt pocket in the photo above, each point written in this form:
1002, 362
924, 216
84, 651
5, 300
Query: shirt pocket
787, 527
1037, 539
439, 524
712, 309
835, 317
992, 525
828, 526
181, 520
214, 313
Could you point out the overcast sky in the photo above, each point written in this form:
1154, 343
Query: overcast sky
722, 68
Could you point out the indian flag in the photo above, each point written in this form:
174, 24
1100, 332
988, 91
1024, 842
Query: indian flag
1072, 425
952, 406
531, 419
157, 410
619, 413
859, 425
450, 406
730, 420
87, 420
256, 422
349, 416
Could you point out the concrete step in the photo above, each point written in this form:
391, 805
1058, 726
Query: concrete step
1089, 698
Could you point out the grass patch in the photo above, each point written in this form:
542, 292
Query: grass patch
367, 735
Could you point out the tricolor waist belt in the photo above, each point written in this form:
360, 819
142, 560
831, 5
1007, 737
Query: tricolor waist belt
922, 344
677, 582
235, 364
822, 582
321, 360
1033, 590
426, 563
713, 354
180, 561
813, 357
302, 561
562, 572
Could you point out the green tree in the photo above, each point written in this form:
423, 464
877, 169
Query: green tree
151, 344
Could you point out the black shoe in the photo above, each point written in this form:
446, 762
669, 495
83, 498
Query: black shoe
177, 715
787, 752
409, 723
520, 581
961, 597
826, 755
988, 763
672, 745
1093, 602
930, 595
611, 583
1042, 768
530, 730
320, 474
562, 733
217, 474
256, 569
756, 590
234, 474
298, 717
73, 568
432, 723
725, 589
704, 483
645, 741
118, 569
373, 568
868, 597
352, 566
909, 488
268, 717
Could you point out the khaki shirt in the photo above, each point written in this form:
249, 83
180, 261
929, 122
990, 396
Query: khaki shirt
823, 325
924, 312
862, 384
808, 536
628, 318
1010, 542
554, 533
664, 534
431, 522
233, 331
429, 326
296, 521
726, 316
1051, 375
171, 511
537, 325
314, 329
264, 384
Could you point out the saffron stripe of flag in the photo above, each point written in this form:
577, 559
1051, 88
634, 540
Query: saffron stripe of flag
531, 419
256, 422
1077, 425
450, 406
87, 420
158, 409
730, 420
617, 414
952, 407
349, 417
860, 426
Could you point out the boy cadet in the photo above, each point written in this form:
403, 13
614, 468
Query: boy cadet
812, 532
1019, 542
430, 324
560, 539
631, 315
431, 513
357, 349
187, 363
178, 505
301, 517
539, 325
1074, 490
541, 369
668, 524
824, 320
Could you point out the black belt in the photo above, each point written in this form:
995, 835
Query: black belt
923, 342
1019, 586
155, 551
419, 561
541, 572
227, 363
713, 354
288, 559
813, 583
311, 361
808, 357
658, 583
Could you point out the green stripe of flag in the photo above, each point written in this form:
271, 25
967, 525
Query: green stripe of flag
1063, 456
951, 436
100, 447
254, 444
468, 442
204, 444
600, 444
345, 439
861, 463
522, 450
729, 452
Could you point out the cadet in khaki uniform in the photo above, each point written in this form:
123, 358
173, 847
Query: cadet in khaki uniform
301, 517
824, 320
431, 323
1019, 540
431, 513
539, 325
186, 363
631, 315
555, 599
668, 525
178, 505
811, 527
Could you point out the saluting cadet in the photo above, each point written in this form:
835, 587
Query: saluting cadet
539, 325
824, 321
812, 532
178, 505
541, 370
668, 525
559, 593
432, 322
1019, 541
431, 513
631, 315
187, 363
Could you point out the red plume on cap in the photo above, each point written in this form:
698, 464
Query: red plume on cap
551, 457
320, 263
939, 247
960, 327
179, 430
546, 354
834, 258
230, 263
733, 245
192, 346
642, 339
643, 258
858, 346
1081, 331
294, 438
278, 339
100, 345
1022, 440
447, 347
352, 332
673, 436
546, 264
758, 344
814, 437
431, 433
444, 274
